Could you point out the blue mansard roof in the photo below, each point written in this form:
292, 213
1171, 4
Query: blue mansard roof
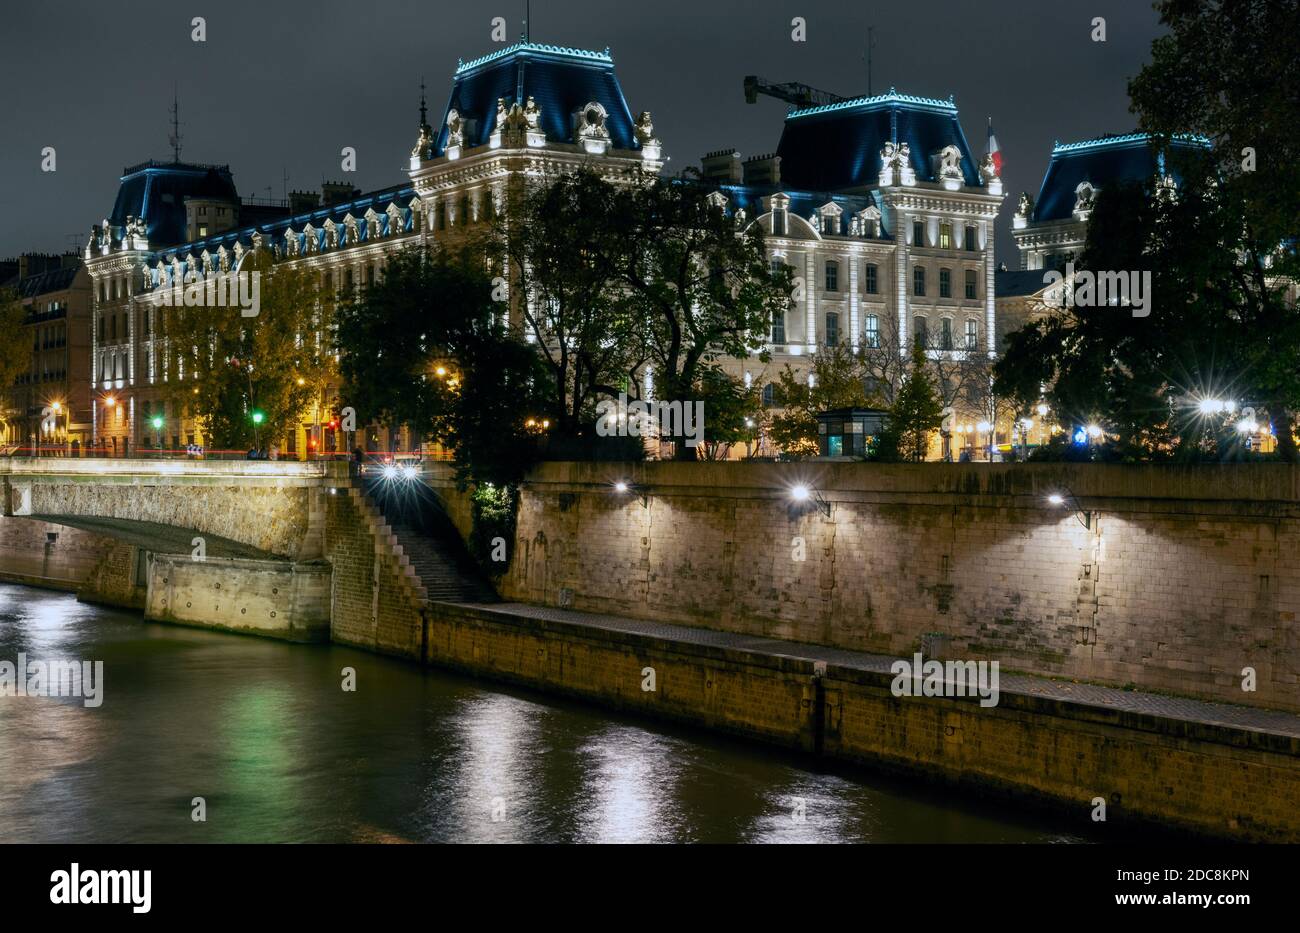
561, 80
750, 198
837, 146
156, 191
273, 233
1101, 162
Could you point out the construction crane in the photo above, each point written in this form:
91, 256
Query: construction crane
801, 95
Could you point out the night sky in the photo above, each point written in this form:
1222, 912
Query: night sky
282, 86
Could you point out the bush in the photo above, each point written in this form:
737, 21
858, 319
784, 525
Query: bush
493, 510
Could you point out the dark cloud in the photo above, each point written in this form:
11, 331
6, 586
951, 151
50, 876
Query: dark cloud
283, 86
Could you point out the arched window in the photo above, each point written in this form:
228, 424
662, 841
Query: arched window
972, 283
945, 283
972, 333
922, 331
769, 395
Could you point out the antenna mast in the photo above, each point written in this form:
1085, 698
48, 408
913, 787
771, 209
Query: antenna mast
175, 138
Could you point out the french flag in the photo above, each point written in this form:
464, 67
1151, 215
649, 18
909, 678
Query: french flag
994, 152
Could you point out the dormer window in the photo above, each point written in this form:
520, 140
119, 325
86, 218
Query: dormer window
867, 222
779, 205
589, 128
829, 217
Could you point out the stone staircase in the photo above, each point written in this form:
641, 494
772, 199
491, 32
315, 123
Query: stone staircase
428, 547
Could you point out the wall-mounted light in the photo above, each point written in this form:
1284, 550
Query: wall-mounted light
623, 488
1066, 499
803, 495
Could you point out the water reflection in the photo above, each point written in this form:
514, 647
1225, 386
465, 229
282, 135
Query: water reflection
264, 733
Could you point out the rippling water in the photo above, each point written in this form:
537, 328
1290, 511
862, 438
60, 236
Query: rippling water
265, 734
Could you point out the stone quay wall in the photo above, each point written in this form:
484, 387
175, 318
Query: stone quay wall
1174, 579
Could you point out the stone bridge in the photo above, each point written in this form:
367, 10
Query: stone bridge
250, 508
288, 548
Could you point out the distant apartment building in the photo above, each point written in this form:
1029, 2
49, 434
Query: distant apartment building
48, 408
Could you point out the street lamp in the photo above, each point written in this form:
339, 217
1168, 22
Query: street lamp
986, 427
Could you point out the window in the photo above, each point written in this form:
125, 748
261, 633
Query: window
778, 327
870, 279
922, 333
918, 233
945, 333
144, 319
112, 331
101, 328
872, 334
972, 333
971, 284
832, 328
945, 236
769, 395
778, 222
918, 281
945, 283
970, 238
832, 275
829, 223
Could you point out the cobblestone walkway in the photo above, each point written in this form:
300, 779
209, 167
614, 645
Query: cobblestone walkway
1197, 711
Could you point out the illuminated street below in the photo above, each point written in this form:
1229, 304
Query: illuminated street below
262, 731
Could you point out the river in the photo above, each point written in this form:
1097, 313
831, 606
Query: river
263, 732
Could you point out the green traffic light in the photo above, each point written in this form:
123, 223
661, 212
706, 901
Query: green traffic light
157, 422
257, 417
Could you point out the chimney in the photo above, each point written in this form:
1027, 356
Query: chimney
300, 202
763, 170
722, 166
336, 192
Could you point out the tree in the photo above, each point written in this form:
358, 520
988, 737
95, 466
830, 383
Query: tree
15, 346
390, 331
697, 288
961, 377
916, 412
1204, 332
428, 347
732, 412
837, 382
250, 380
562, 246
1225, 72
